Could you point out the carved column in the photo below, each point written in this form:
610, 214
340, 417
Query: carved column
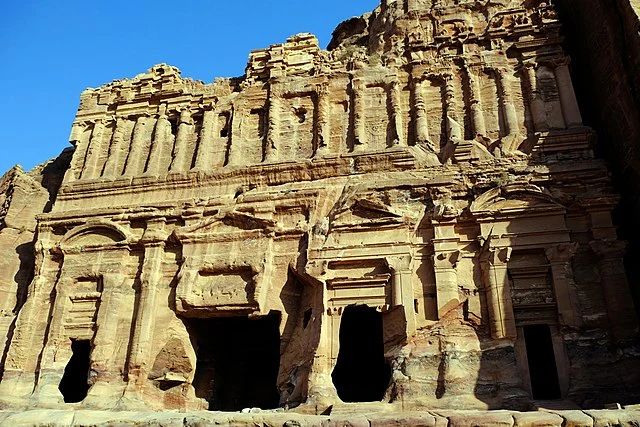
536, 104
506, 101
359, 130
617, 294
204, 157
104, 341
402, 289
56, 324
444, 265
454, 130
396, 107
475, 104
150, 277
138, 152
420, 111
568, 101
80, 141
185, 131
119, 143
323, 117
496, 281
57, 349
21, 363
94, 152
273, 131
320, 385
566, 299
161, 141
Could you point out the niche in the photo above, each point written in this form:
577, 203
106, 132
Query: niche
237, 361
224, 120
74, 385
542, 363
361, 373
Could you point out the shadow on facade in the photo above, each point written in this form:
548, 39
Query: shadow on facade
237, 361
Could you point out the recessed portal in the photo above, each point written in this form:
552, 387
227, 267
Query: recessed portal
542, 362
361, 373
74, 385
237, 361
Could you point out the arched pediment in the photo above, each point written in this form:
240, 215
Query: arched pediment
95, 233
515, 198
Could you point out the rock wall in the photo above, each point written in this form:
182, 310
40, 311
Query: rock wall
23, 196
604, 44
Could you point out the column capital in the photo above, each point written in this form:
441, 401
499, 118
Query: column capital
399, 263
608, 249
418, 80
322, 88
496, 256
560, 61
447, 260
561, 253
155, 232
358, 83
162, 109
185, 116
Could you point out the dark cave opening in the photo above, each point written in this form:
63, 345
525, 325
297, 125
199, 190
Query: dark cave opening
542, 363
74, 385
361, 373
237, 361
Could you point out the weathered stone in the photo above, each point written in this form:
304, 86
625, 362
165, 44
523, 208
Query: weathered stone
475, 418
575, 418
603, 418
537, 419
414, 218
402, 419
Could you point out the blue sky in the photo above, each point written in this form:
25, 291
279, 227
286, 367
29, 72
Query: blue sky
52, 50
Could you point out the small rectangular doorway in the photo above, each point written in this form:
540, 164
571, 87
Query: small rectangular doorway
543, 371
238, 359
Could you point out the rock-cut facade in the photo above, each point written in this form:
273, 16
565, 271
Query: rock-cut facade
414, 216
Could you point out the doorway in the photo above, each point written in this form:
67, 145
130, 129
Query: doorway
237, 361
543, 371
361, 373
74, 385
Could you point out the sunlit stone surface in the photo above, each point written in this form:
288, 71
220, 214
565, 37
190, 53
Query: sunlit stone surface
414, 217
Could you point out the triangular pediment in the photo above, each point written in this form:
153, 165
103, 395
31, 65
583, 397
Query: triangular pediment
365, 210
224, 223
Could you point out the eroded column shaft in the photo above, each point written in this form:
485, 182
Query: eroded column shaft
273, 131
420, 111
180, 161
138, 153
204, 157
96, 144
160, 145
535, 101
114, 166
568, 100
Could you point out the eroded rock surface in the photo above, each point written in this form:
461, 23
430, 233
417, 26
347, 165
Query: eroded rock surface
415, 217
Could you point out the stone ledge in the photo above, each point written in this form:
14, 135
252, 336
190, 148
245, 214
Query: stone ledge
591, 418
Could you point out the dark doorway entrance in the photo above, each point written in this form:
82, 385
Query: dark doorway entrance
238, 361
542, 362
74, 385
361, 373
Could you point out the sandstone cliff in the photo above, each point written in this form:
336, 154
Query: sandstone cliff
415, 217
